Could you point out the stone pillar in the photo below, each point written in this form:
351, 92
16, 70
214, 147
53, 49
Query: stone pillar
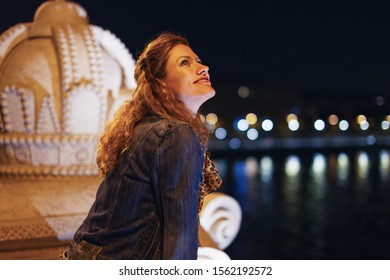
61, 79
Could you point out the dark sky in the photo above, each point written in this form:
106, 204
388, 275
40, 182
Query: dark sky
339, 47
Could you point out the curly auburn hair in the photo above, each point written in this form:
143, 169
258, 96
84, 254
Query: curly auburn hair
149, 98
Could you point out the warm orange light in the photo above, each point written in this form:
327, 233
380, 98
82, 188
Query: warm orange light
361, 118
333, 119
291, 117
212, 118
251, 118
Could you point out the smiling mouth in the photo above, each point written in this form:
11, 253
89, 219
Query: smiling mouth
202, 81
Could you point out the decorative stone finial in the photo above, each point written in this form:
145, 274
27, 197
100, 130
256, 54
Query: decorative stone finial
61, 12
61, 79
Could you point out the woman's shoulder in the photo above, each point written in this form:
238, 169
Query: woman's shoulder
159, 127
164, 125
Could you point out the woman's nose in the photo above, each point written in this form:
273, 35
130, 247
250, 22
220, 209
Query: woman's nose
202, 69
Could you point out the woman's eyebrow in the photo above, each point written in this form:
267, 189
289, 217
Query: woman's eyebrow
183, 56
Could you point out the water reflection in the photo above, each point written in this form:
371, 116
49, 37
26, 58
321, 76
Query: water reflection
342, 168
290, 188
314, 201
363, 165
384, 164
266, 169
311, 205
292, 166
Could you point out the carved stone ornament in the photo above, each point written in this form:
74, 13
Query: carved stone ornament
61, 79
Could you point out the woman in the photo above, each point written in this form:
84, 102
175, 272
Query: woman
154, 161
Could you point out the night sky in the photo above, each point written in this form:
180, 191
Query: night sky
340, 47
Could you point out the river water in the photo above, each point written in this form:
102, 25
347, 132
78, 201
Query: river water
310, 205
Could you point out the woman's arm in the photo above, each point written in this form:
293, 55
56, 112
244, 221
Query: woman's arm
180, 164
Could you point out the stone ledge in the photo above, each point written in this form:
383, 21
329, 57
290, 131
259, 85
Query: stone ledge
26, 234
38, 214
46, 252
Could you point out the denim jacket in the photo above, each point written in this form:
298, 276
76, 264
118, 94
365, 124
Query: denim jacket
147, 208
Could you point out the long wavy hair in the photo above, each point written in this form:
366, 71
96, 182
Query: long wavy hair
149, 98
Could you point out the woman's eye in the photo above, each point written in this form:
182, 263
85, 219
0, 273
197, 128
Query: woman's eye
199, 60
184, 62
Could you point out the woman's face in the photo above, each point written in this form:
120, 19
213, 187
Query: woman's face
187, 77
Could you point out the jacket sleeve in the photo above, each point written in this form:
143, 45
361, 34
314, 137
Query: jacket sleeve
180, 164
